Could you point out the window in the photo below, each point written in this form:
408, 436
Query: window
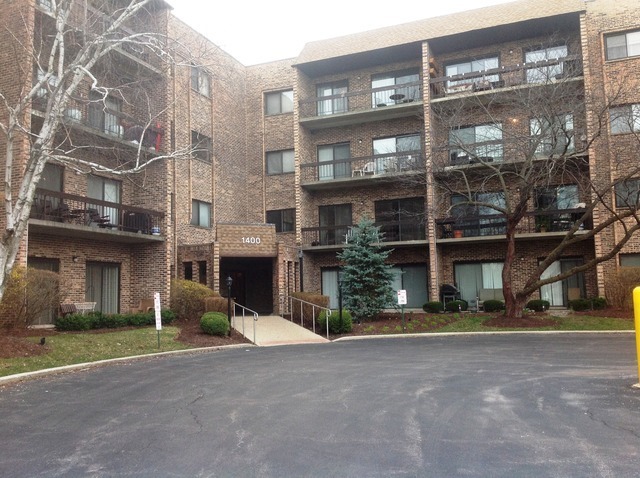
51, 178
201, 146
561, 292
478, 217
629, 260
105, 189
104, 114
622, 45
545, 74
333, 105
200, 213
335, 222
102, 286
413, 279
552, 135
475, 143
200, 80
469, 67
46, 5
472, 278
202, 272
628, 193
625, 119
391, 147
337, 155
555, 199
284, 219
280, 162
188, 270
385, 86
278, 102
48, 85
401, 219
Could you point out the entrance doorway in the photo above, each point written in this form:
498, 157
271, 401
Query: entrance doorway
252, 281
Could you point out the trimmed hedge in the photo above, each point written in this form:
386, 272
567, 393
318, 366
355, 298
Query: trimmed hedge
456, 305
538, 305
98, 320
216, 304
215, 323
187, 298
493, 305
433, 307
334, 322
580, 304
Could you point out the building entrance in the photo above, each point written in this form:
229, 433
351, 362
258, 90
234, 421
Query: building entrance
252, 281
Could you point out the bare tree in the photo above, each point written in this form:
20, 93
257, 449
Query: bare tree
520, 157
65, 69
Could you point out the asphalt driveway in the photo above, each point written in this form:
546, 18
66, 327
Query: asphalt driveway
472, 406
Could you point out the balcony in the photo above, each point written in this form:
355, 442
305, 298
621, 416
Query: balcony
332, 237
378, 104
75, 216
363, 170
550, 223
506, 78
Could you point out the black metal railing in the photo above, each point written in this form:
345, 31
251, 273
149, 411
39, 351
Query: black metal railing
390, 231
89, 212
362, 100
369, 166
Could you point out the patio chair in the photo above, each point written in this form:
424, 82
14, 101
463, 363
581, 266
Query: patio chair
368, 168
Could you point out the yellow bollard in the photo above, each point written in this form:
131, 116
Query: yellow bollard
636, 315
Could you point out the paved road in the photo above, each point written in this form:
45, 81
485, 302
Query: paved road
472, 406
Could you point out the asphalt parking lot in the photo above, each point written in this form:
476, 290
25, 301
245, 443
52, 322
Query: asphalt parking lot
472, 406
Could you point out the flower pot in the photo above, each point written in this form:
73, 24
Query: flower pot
457, 233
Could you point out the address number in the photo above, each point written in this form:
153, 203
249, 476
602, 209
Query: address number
251, 240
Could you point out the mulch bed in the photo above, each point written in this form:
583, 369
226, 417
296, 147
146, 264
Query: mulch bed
192, 334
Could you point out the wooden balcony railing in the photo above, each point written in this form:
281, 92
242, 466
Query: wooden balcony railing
88, 212
358, 168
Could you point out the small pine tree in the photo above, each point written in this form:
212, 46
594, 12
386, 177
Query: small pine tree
366, 278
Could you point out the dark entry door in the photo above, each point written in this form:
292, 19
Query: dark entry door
252, 284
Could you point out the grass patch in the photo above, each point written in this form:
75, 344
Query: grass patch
73, 348
584, 322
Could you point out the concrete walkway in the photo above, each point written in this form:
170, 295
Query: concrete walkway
274, 330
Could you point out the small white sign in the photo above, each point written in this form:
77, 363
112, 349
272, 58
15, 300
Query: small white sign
402, 297
156, 306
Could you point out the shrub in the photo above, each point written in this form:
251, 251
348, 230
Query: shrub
214, 323
433, 307
75, 322
580, 304
456, 305
167, 315
216, 304
538, 305
187, 298
620, 285
599, 303
493, 305
334, 322
307, 309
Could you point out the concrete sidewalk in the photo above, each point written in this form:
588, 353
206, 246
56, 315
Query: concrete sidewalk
274, 330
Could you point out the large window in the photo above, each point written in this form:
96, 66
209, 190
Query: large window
200, 213
561, 292
280, 162
105, 189
338, 103
200, 80
469, 67
104, 114
552, 135
545, 74
556, 199
335, 222
482, 143
413, 279
479, 216
630, 260
471, 279
625, 119
622, 45
102, 286
201, 146
389, 90
628, 193
278, 102
401, 219
392, 147
284, 219
337, 158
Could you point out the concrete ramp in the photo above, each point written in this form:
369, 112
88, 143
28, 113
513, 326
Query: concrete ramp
274, 330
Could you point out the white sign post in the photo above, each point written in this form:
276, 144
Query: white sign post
156, 306
402, 301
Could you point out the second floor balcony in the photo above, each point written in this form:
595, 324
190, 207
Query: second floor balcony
76, 216
390, 232
350, 171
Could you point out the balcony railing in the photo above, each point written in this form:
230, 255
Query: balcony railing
88, 212
358, 168
364, 100
533, 73
558, 220
391, 231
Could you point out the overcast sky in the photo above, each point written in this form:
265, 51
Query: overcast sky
258, 31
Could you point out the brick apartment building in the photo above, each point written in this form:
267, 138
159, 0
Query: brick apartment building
288, 155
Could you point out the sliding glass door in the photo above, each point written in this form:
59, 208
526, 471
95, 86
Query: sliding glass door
102, 286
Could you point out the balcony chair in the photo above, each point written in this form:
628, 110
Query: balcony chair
145, 305
369, 168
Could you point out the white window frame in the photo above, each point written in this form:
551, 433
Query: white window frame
203, 217
278, 102
624, 119
622, 45
280, 162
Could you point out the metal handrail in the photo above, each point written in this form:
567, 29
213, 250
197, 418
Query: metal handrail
288, 300
244, 311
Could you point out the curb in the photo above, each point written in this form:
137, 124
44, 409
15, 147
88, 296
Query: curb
456, 334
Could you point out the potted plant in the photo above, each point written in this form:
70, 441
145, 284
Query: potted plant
543, 223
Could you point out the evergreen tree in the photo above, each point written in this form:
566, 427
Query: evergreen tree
366, 278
